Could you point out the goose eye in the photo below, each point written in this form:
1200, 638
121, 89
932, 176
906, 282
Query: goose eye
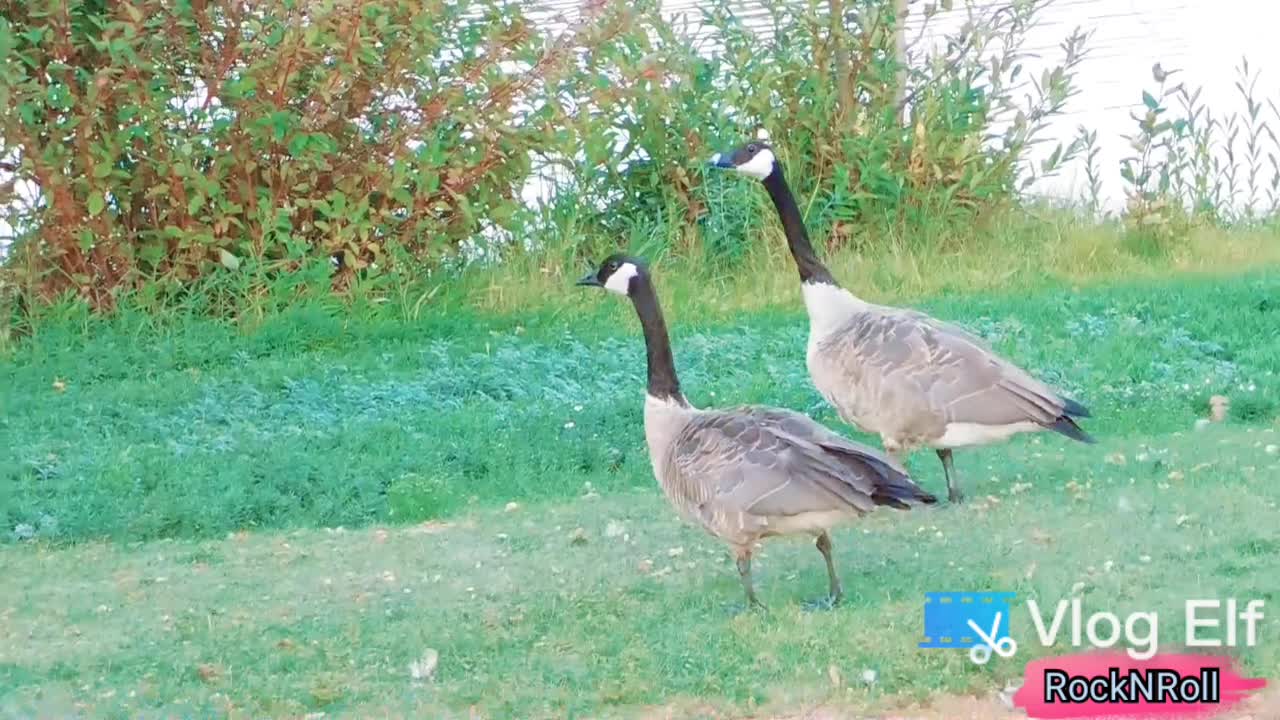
752, 148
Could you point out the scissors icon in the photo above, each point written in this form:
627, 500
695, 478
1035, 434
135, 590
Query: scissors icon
981, 652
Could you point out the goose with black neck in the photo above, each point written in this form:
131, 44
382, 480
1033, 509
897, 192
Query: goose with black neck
914, 380
750, 472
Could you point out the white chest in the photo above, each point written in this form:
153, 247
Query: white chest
829, 307
663, 421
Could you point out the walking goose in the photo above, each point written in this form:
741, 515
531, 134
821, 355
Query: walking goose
751, 472
914, 380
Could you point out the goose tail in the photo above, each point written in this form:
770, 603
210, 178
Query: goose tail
897, 490
1067, 426
1071, 408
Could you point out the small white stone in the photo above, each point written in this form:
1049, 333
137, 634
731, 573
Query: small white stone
425, 667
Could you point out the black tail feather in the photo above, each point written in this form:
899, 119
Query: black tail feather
1071, 408
900, 491
1068, 427
893, 487
917, 497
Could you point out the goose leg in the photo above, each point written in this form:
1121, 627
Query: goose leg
948, 469
836, 592
744, 572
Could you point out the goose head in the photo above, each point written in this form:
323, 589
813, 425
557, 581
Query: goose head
617, 274
755, 159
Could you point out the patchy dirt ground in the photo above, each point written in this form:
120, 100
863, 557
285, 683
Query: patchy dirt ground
330, 623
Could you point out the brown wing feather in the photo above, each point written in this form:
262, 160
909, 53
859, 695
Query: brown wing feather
771, 462
934, 373
988, 389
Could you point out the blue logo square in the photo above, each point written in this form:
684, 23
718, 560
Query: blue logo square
947, 616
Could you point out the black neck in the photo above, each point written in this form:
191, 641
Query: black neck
663, 383
810, 267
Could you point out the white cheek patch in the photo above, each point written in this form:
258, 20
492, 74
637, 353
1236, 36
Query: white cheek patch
620, 281
759, 166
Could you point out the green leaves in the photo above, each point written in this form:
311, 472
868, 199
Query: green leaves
312, 139
398, 132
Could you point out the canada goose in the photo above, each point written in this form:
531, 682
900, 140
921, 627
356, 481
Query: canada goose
914, 380
751, 472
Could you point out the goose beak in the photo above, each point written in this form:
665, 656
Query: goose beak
589, 280
720, 160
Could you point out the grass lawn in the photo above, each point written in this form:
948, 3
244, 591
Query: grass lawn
172, 500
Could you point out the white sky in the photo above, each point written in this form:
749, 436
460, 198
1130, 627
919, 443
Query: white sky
1205, 38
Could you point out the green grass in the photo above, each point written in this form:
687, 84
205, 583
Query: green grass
309, 421
1011, 250
162, 438
529, 624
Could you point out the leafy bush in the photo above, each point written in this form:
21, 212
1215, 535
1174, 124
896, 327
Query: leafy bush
865, 138
265, 149
172, 139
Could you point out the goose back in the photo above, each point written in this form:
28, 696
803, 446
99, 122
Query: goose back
918, 381
751, 472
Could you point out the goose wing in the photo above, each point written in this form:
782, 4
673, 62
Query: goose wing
977, 385
961, 378
773, 462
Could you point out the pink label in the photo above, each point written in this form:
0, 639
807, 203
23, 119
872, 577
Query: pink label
1114, 685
